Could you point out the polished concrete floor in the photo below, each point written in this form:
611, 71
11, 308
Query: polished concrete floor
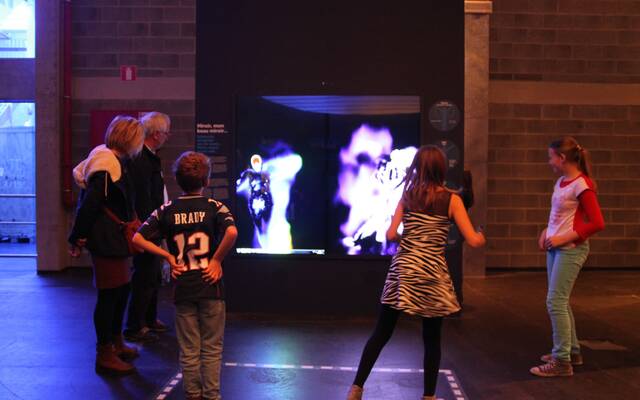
47, 345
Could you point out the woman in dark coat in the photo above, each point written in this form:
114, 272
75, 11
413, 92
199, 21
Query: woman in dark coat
106, 185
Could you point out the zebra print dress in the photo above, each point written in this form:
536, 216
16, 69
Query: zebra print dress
418, 281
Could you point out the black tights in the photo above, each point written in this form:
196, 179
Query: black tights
109, 312
384, 328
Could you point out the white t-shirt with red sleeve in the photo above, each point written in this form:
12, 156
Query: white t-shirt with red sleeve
574, 207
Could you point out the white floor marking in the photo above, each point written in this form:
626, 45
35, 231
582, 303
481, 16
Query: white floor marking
451, 378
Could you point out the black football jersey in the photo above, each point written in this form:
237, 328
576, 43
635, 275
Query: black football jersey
193, 227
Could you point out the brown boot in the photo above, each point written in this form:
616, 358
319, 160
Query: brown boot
122, 350
108, 362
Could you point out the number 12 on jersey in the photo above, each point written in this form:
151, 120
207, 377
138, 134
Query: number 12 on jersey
199, 246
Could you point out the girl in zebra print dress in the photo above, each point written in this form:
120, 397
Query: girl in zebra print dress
418, 281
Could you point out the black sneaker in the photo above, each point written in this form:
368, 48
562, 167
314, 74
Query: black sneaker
144, 335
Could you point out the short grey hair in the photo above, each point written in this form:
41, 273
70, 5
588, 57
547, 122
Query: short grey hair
155, 122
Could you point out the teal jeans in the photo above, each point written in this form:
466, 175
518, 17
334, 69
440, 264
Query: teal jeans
563, 267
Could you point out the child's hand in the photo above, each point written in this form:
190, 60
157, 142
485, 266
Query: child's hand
76, 249
213, 272
552, 242
176, 268
481, 236
541, 240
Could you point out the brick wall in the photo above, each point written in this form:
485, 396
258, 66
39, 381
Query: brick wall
566, 40
520, 181
158, 36
586, 41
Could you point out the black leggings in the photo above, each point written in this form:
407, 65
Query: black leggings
109, 312
431, 328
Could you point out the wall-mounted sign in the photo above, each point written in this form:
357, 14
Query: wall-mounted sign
451, 151
444, 115
214, 140
128, 72
211, 138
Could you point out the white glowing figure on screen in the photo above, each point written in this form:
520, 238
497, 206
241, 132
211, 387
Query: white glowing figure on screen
267, 188
370, 184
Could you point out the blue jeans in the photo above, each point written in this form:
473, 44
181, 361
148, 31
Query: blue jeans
563, 266
200, 331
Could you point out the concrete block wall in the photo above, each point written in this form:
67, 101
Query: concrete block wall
158, 37
563, 67
520, 180
566, 40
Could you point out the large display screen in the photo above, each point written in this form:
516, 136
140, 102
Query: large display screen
321, 174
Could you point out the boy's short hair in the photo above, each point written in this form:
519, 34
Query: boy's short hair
192, 170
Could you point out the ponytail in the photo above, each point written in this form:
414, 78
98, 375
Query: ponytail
574, 152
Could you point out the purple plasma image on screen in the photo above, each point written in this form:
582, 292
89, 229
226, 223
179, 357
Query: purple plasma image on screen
370, 185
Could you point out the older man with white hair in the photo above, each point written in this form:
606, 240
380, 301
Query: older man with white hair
146, 169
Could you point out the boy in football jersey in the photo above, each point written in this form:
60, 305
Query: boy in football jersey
199, 232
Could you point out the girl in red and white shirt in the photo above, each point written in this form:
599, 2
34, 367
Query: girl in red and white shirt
575, 216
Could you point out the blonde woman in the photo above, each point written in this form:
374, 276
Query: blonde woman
106, 187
